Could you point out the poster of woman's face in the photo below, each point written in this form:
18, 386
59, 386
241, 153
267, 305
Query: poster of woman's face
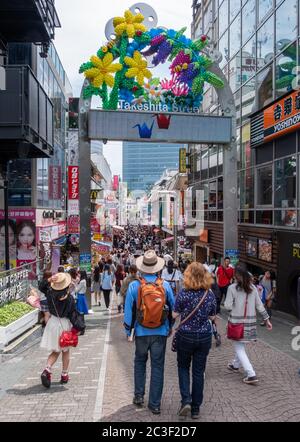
26, 242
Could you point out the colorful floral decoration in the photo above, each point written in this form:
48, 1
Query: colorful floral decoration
122, 68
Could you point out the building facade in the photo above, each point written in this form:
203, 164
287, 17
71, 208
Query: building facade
143, 163
259, 42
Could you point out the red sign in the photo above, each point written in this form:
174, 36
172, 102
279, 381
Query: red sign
95, 226
116, 182
62, 228
73, 181
55, 184
73, 224
203, 235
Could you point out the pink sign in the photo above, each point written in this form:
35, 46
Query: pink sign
116, 182
73, 224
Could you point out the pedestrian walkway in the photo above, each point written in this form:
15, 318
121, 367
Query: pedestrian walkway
101, 386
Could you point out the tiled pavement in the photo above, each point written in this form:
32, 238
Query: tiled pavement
102, 389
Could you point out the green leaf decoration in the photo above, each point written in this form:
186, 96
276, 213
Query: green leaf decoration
85, 66
285, 81
206, 62
198, 45
213, 79
180, 33
288, 66
197, 86
90, 90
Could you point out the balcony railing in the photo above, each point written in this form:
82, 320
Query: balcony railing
26, 116
31, 21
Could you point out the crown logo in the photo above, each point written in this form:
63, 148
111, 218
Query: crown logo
144, 130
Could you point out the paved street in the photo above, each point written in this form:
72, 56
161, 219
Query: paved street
101, 385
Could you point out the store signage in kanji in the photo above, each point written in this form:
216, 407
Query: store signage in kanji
73, 181
279, 119
182, 160
55, 183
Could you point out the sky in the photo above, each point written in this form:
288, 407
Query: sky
82, 34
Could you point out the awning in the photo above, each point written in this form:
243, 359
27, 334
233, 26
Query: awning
118, 228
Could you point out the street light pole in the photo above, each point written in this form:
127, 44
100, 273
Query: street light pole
175, 199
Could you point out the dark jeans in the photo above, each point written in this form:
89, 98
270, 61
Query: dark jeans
192, 347
223, 291
157, 347
107, 297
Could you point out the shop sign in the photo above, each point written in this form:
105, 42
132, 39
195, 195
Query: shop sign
279, 119
233, 254
44, 236
55, 183
85, 262
73, 224
73, 207
73, 182
203, 235
62, 228
11, 286
296, 251
182, 160
95, 194
96, 237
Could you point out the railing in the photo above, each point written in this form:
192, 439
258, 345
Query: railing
49, 14
15, 283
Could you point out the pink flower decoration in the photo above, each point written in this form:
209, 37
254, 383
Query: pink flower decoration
180, 91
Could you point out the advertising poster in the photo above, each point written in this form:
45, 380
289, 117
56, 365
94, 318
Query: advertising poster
55, 258
265, 250
73, 224
251, 247
85, 262
22, 237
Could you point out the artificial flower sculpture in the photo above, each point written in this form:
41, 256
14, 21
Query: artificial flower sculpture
119, 70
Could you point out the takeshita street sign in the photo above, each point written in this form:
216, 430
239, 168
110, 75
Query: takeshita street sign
120, 74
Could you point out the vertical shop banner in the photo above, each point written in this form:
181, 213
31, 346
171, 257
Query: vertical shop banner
55, 183
116, 182
182, 160
22, 237
55, 258
85, 262
73, 224
73, 182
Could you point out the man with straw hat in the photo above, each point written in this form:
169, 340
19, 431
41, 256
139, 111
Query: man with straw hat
148, 314
61, 306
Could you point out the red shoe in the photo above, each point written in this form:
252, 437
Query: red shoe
64, 378
46, 378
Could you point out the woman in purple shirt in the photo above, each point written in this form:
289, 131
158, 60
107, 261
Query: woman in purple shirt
194, 335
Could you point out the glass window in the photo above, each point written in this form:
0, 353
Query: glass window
264, 186
265, 41
212, 202
213, 161
287, 218
204, 163
264, 87
234, 72
264, 217
285, 74
248, 20
235, 6
247, 189
223, 17
248, 98
285, 182
285, 145
220, 161
224, 49
40, 181
19, 191
235, 35
248, 61
247, 216
286, 24
220, 193
264, 7
247, 154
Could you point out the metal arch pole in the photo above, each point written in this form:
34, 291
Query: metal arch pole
84, 174
230, 202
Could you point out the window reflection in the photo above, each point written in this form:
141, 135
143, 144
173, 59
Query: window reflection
285, 183
248, 20
285, 74
223, 17
247, 189
19, 192
235, 35
264, 88
286, 24
264, 186
265, 41
264, 8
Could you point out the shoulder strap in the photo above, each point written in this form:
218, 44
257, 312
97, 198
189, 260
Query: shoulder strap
194, 311
56, 311
246, 304
172, 280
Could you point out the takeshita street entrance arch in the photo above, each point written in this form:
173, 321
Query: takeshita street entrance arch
137, 106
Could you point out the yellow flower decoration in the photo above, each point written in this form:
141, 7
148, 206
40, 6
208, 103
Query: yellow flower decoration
138, 68
100, 73
129, 24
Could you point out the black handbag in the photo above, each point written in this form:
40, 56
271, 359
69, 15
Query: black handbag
174, 341
77, 320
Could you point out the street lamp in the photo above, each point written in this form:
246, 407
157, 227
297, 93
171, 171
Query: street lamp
175, 198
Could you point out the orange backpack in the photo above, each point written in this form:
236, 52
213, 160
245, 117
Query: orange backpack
151, 304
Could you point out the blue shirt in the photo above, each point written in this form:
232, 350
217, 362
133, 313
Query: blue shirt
131, 298
187, 301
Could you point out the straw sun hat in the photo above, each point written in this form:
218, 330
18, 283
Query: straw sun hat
150, 263
61, 281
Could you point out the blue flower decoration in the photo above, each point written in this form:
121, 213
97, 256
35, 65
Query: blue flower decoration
126, 95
